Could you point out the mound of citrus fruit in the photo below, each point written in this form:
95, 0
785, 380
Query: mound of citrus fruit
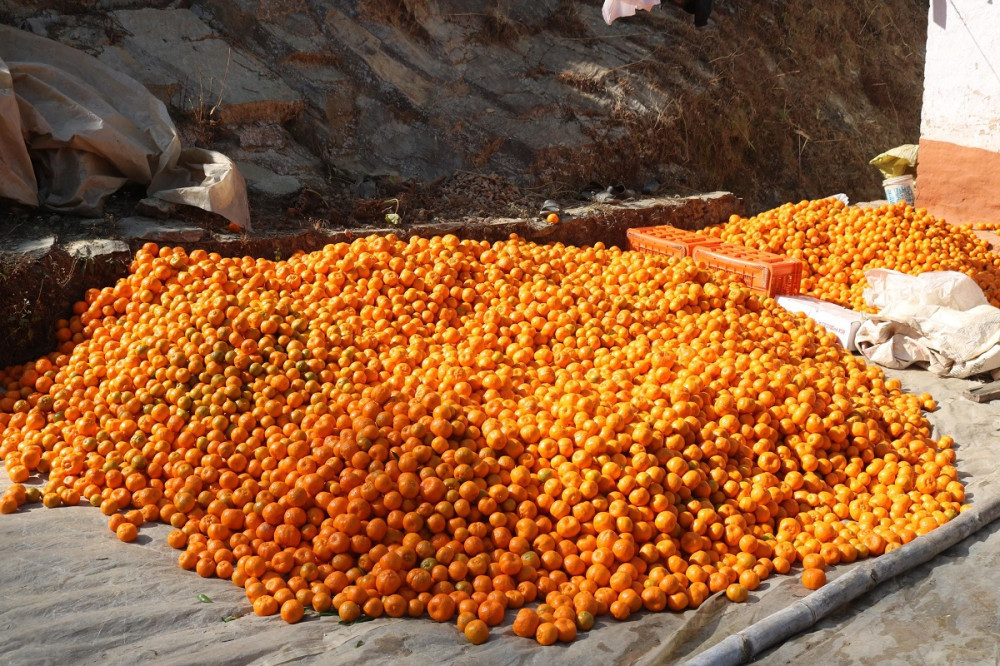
457, 429
838, 243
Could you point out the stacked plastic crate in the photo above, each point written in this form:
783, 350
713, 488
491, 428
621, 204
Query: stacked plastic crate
763, 272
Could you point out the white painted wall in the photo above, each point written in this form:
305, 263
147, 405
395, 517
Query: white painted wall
962, 74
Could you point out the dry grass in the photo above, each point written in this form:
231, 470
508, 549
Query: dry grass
313, 59
585, 84
397, 13
774, 104
498, 28
567, 22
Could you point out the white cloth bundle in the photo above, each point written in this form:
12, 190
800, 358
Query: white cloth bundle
614, 9
939, 320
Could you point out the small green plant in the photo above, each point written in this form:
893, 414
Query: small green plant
19, 319
392, 212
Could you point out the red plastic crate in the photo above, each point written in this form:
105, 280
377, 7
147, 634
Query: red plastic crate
763, 272
668, 240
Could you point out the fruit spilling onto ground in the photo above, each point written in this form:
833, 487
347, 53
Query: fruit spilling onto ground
838, 243
456, 429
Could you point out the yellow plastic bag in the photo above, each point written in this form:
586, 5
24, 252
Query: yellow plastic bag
900, 161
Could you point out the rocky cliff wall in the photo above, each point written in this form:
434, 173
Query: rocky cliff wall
773, 101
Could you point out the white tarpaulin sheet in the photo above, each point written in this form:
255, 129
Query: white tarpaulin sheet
938, 320
73, 131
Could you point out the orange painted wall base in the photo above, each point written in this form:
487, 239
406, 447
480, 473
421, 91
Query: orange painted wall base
957, 183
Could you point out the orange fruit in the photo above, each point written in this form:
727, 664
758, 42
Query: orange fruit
265, 605
750, 580
349, 611
813, 561
292, 611
585, 620
464, 619
565, 629
127, 532
477, 632
736, 592
321, 602
525, 623
547, 633
813, 579
491, 612
441, 608
8, 504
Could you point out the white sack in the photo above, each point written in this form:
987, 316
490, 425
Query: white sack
614, 9
840, 321
950, 289
73, 131
931, 320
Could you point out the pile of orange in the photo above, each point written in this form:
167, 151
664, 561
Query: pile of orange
460, 430
838, 243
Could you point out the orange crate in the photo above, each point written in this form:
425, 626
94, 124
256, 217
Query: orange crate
763, 272
668, 240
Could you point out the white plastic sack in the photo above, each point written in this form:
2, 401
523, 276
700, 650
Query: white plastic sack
949, 289
939, 320
73, 131
614, 9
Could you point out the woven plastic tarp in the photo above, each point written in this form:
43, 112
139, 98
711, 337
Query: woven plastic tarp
73, 131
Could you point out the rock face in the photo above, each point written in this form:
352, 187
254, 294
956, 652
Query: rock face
774, 102
174, 54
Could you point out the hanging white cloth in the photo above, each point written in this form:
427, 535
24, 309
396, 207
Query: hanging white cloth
614, 9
